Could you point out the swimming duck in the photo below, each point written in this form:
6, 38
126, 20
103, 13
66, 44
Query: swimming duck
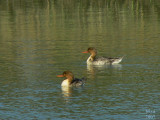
100, 60
71, 81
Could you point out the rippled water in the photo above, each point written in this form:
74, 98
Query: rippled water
41, 39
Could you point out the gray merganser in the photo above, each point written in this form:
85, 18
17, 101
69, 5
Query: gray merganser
71, 81
101, 60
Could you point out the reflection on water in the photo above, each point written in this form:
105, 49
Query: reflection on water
66, 92
90, 68
93, 69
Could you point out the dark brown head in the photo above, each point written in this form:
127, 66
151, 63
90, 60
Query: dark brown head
92, 51
67, 74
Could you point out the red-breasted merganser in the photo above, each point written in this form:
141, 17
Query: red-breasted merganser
100, 60
71, 81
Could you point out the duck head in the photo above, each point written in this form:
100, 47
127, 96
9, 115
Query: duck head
68, 74
92, 51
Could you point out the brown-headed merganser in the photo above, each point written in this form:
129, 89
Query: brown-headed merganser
71, 81
100, 60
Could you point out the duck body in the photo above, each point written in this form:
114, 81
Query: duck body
71, 81
103, 60
75, 82
65, 83
78, 82
94, 60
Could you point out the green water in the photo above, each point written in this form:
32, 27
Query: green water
41, 39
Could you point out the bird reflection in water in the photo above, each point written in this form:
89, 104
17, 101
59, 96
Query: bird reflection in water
66, 92
93, 68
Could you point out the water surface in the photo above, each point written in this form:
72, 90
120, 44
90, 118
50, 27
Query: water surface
41, 39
